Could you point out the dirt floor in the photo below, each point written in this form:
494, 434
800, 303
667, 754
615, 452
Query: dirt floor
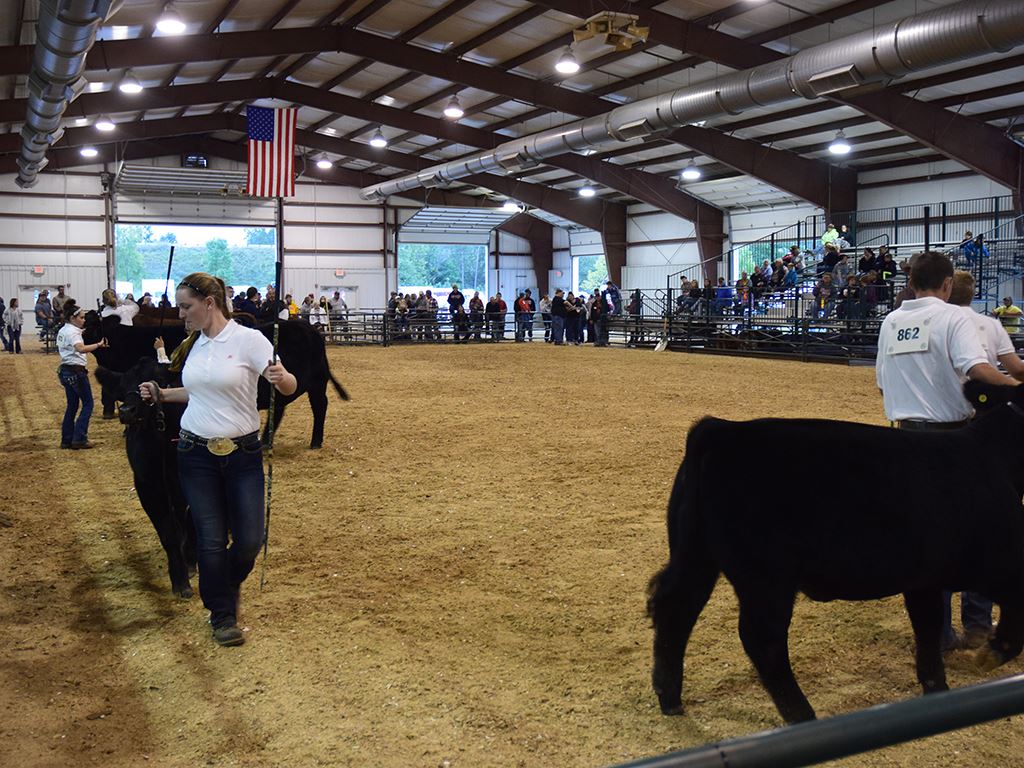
456, 579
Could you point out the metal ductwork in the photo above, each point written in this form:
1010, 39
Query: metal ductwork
880, 55
64, 34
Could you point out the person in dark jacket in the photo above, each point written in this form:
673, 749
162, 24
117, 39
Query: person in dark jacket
867, 262
493, 311
572, 319
558, 316
455, 299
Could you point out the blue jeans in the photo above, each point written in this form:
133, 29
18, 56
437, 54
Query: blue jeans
975, 615
225, 494
78, 392
557, 328
14, 340
528, 323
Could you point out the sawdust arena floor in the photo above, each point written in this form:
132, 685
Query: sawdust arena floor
456, 579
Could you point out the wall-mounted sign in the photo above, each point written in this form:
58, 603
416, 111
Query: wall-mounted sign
37, 270
339, 273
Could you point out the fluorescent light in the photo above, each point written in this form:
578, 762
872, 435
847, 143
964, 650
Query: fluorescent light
454, 109
81, 121
839, 145
170, 22
567, 63
385, 100
105, 124
691, 172
329, 131
88, 152
587, 191
130, 84
378, 139
95, 87
324, 163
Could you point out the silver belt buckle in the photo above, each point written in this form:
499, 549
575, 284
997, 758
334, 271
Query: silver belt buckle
221, 446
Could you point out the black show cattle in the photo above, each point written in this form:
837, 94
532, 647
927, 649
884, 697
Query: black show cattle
300, 347
149, 442
949, 517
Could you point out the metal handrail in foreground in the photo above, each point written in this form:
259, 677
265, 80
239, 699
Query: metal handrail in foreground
856, 732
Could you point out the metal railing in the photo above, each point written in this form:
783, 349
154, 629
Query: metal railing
1005, 259
851, 734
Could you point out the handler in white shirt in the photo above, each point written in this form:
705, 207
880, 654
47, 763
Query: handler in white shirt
126, 311
991, 333
926, 349
220, 458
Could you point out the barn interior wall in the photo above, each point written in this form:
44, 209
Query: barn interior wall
938, 188
657, 244
514, 270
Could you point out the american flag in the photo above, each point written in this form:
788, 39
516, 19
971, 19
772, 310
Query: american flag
271, 152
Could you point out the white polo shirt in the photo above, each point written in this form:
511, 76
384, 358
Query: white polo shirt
991, 333
125, 311
67, 337
220, 376
925, 349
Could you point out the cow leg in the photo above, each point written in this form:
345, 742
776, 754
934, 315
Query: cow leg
1009, 639
765, 615
109, 402
678, 595
153, 498
318, 403
925, 611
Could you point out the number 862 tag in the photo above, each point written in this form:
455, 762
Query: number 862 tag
909, 337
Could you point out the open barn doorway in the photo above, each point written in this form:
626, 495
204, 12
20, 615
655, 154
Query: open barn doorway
241, 256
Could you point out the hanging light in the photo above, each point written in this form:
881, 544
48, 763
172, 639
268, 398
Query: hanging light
691, 172
129, 84
510, 206
88, 152
587, 191
839, 145
170, 22
105, 124
454, 109
567, 63
324, 163
378, 139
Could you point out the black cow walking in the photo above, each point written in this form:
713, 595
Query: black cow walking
950, 519
149, 442
301, 349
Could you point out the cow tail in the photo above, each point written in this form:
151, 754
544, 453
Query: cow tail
684, 526
337, 386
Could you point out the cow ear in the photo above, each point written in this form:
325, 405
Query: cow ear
111, 379
985, 397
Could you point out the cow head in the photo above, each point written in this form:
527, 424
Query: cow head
92, 331
125, 387
988, 397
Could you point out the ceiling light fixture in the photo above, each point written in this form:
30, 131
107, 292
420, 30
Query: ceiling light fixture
324, 163
567, 63
839, 145
691, 172
511, 206
378, 139
454, 109
385, 100
88, 152
129, 84
170, 22
587, 191
104, 123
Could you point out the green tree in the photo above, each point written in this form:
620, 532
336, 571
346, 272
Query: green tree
127, 256
218, 260
169, 237
592, 272
260, 236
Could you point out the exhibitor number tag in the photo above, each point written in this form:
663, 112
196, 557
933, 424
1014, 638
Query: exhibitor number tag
909, 337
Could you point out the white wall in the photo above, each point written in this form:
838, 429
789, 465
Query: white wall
514, 271
936, 189
657, 244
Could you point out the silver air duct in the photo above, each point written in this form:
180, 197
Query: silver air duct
65, 33
881, 55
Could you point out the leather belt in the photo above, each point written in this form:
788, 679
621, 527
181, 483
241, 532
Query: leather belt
75, 368
221, 446
932, 426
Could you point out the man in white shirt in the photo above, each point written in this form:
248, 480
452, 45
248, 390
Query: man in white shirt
993, 336
926, 350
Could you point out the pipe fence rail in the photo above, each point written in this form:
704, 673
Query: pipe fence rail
851, 734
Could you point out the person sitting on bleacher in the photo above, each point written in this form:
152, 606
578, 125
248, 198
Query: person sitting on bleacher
842, 270
44, 313
723, 296
824, 297
791, 278
867, 262
974, 250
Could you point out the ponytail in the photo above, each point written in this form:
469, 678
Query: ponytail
180, 353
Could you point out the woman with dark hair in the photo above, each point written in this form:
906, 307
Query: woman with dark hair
74, 432
220, 457
12, 324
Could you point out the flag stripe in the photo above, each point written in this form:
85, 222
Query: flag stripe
271, 168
